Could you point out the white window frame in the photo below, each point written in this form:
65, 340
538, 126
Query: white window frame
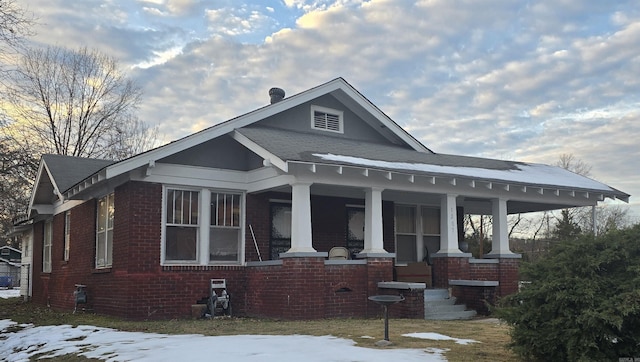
109, 219
188, 224
419, 233
327, 111
238, 227
204, 226
67, 234
47, 240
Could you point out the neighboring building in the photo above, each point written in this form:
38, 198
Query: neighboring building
22, 232
10, 259
261, 199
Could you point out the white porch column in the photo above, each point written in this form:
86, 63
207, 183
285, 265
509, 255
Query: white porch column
500, 239
301, 239
205, 221
449, 225
373, 242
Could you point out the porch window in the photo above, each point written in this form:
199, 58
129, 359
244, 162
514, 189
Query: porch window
355, 229
67, 234
417, 233
280, 240
104, 231
46, 247
181, 233
406, 248
430, 231
224, 242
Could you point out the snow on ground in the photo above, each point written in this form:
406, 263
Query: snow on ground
439, 337
22, 342
9, 293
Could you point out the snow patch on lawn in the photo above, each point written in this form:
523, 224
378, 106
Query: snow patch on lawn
439, 337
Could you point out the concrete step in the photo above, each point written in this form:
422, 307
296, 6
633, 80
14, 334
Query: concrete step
466, 314
444, 308
439, 306
436, 294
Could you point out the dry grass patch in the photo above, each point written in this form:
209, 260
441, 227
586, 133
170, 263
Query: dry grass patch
493, 336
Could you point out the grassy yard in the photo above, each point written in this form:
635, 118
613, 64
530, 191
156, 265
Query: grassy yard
493, 336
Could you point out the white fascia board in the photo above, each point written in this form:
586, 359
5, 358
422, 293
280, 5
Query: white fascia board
36, 184
56, 190
195, 176
221, 129
43, 209
260, 151
436, 184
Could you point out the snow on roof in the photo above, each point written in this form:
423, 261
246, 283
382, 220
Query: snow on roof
524, 173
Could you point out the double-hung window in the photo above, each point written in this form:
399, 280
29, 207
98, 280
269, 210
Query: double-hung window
202, 227
104, 231
181, 236
46, 246
224, 237
67, 234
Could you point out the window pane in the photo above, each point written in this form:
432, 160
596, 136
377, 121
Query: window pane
100, 250
181, 243
193, 201
110, 211
406, 249
432, 246
235, 211
355, 224
405, 219
224, 244
281, 222
430, 221
109, 256
185, 207
182, 207
102, 215
171, 199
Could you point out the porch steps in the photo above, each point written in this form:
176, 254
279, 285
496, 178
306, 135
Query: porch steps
439, 306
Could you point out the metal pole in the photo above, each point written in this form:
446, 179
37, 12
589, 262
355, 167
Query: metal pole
386, 323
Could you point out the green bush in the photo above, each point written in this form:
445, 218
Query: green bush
581, 303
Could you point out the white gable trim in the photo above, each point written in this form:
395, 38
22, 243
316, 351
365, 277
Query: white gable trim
255, 148
258, 115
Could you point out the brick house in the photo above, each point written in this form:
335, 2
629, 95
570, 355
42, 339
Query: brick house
261, 199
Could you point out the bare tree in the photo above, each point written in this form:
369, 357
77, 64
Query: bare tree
16, 23
59, 101
570, 163
75, 103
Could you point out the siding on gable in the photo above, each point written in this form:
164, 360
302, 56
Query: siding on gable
299, 119
222, 152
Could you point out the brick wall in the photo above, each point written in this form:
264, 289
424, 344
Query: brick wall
484, 271
509, 276
447, 268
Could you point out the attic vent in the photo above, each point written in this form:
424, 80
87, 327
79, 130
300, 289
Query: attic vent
326, 119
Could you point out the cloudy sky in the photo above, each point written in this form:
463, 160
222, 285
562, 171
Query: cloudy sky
518, 80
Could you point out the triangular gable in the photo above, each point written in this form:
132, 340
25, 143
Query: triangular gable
56, 174
342, 90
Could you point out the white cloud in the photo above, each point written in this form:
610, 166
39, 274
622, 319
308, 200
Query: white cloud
490, 78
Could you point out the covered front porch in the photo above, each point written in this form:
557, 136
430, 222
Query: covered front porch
387, 220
